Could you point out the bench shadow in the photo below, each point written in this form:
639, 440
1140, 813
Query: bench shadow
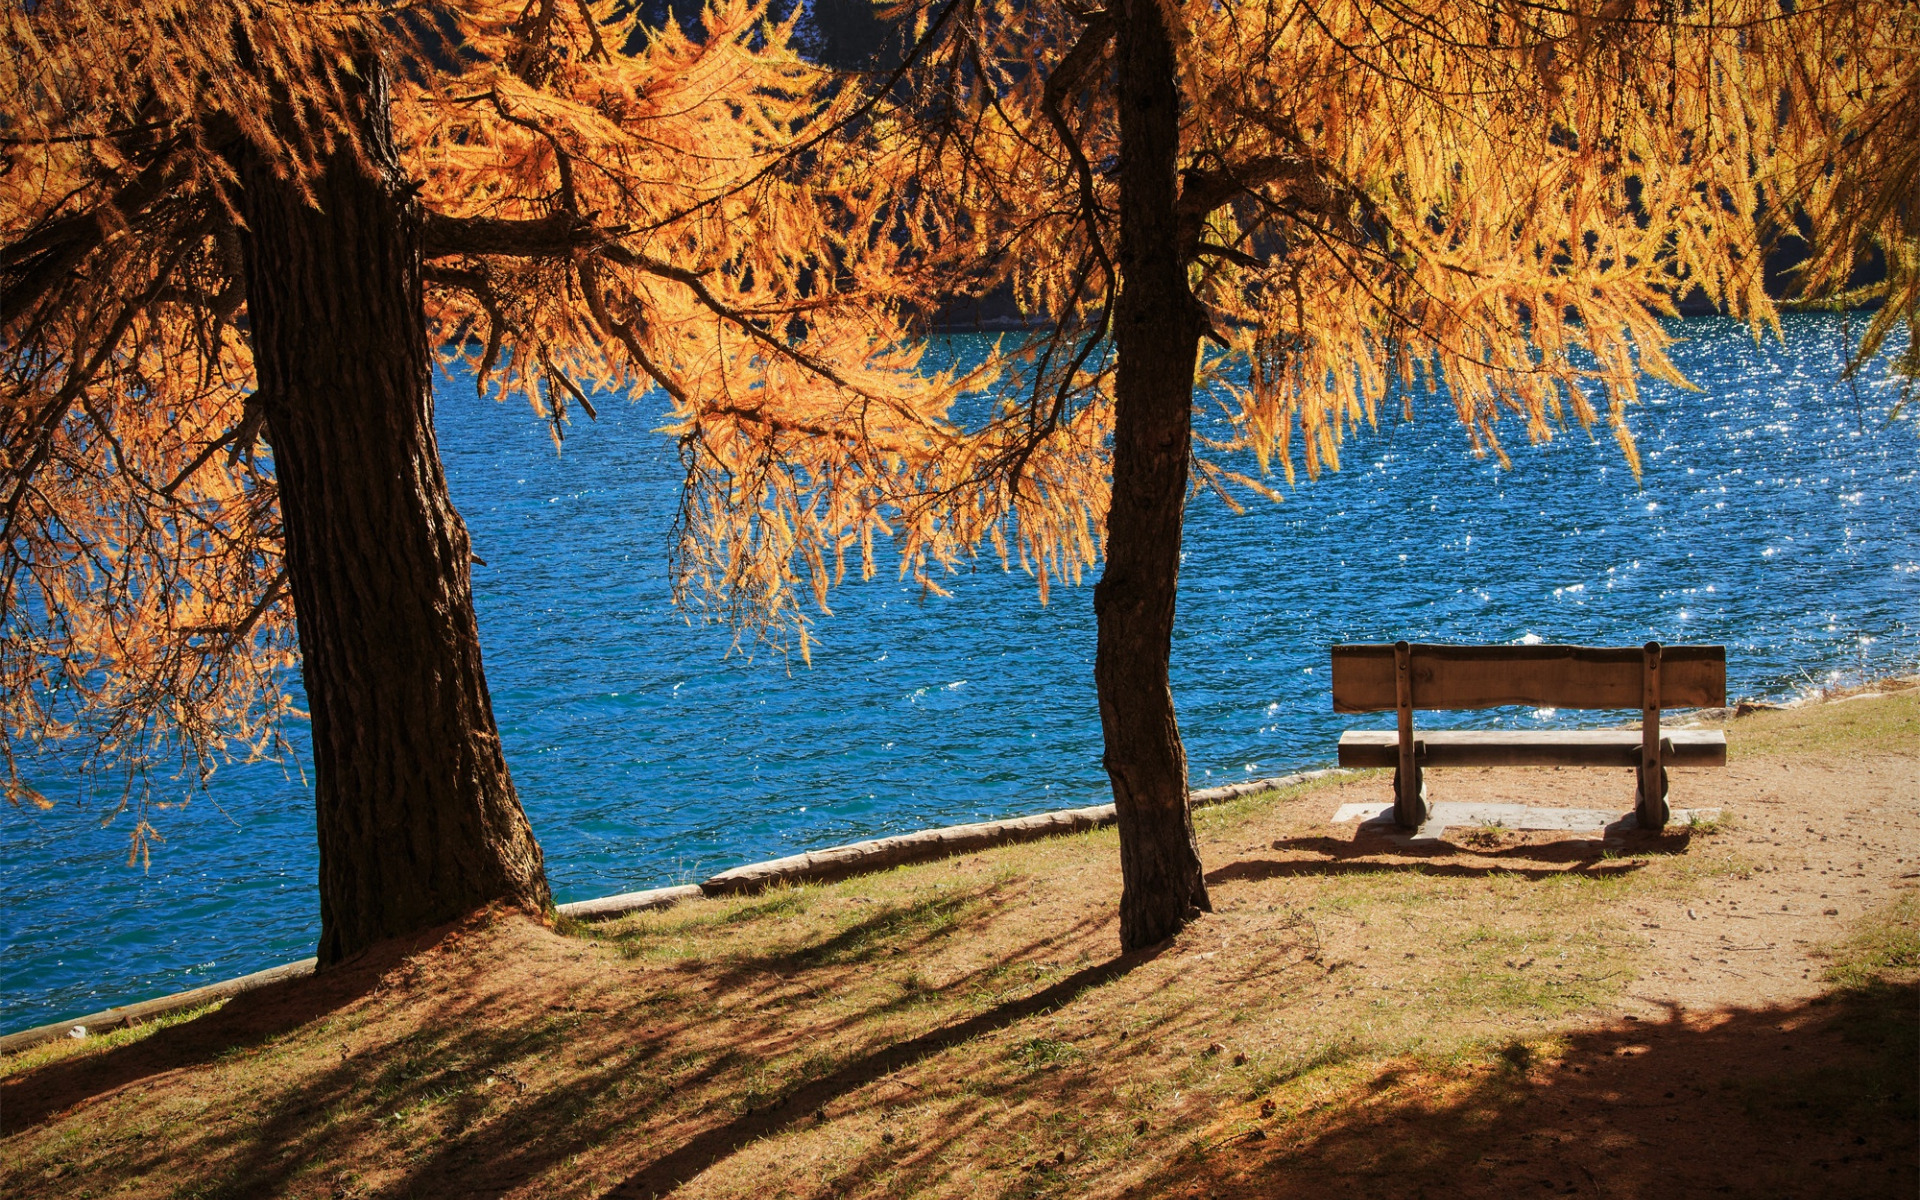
1372, 852
248, 1019
1253, 872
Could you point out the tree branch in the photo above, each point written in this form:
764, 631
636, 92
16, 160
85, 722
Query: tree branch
34, 263
557, 235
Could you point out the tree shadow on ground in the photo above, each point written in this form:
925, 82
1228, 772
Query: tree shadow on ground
247, 1020
804, 969
671, 1070
466, 1049
667, 1172
1806, 1099
891, 930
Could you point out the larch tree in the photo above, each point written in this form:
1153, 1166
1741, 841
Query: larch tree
1293, 214
232, 239
235, 236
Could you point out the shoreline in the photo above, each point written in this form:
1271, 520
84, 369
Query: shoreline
814, 866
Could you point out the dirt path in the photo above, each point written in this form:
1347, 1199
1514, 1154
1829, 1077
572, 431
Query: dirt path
1825, 844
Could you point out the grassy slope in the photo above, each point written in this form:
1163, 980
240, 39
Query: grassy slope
1344, 1024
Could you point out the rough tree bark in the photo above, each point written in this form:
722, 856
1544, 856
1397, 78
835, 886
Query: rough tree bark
418, 819
1157, 331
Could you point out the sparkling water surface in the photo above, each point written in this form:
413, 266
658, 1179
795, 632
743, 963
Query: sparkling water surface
1777, 514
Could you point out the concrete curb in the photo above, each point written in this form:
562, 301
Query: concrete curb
607, 907
929, 845
815, 866
147, 1010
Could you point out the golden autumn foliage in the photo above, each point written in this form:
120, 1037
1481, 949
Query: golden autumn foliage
1503, 198
1860, 189
1377, 200
605, 207
1500, 200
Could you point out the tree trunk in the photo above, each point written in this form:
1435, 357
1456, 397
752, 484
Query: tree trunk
1157, 330
418, 820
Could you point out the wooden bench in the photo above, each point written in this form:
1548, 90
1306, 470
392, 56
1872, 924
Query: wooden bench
1403, 678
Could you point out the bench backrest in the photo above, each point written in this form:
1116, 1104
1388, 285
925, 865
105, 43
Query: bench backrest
1538, 676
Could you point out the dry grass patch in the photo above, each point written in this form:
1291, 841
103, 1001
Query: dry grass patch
1882, 718
67, 1047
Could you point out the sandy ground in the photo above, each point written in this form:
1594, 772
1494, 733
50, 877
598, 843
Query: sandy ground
1826, 843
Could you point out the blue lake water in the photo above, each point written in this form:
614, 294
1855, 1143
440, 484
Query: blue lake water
1777, 514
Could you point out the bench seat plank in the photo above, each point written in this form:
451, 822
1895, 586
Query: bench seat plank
1531, 748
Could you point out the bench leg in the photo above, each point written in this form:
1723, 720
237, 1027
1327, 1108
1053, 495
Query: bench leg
1410, 804
1652, 809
